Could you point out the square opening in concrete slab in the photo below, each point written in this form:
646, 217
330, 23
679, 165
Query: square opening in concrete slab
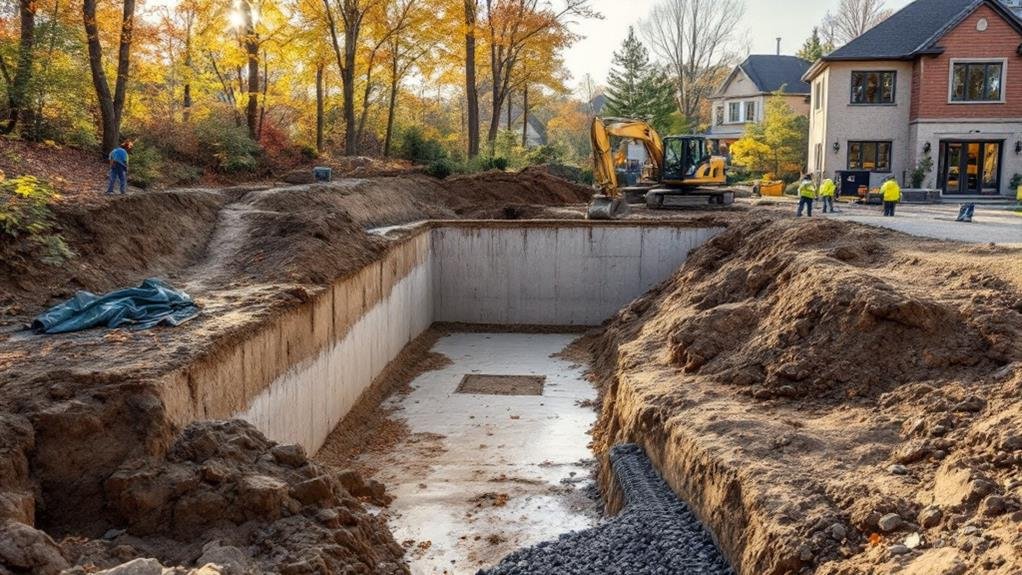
479, 384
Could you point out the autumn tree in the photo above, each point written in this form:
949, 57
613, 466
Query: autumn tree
779, 144
406, 46
696, 40
471, 87
512, 25
111, 106
853, 18
17, 93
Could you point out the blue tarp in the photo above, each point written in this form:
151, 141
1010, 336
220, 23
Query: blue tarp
150, 304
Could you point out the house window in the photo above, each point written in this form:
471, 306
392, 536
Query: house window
818, 161
873, 88
719, 115
750, 111
734, 113
869, 156
818, 95
976, 81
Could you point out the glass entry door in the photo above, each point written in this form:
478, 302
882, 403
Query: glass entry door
970, 168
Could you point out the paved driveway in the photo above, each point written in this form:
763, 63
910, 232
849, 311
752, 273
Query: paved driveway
990, 224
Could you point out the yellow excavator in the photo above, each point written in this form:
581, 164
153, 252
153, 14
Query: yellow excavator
680, 171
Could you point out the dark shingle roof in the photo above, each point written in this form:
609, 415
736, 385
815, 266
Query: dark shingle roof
771, 73
913, 30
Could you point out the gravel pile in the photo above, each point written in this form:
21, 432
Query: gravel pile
656, 533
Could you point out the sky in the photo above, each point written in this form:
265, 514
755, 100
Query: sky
764, 21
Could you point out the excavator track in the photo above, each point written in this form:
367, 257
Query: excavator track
666, 199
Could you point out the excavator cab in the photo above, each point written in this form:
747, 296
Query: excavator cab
682, 157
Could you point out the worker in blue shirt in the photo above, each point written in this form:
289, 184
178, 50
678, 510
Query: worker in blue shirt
119, 167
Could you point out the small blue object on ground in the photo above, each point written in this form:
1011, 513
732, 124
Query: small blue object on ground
148, 305
322, 174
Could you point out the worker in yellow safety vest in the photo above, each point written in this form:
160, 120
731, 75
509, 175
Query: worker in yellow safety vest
827, 191
806, 196
892, 195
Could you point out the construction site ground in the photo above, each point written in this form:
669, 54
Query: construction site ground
828, 396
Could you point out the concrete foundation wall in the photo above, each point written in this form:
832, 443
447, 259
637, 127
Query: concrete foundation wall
298, 377
305, 404
564, 275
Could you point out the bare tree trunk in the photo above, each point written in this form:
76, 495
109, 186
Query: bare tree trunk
510, 106
319, 107
266, 89
23, 73
525, 116
252, 52
392, 104
186, 114
352, 28
110, 108
471, 91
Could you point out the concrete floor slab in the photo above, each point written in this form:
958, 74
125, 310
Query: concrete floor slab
483, 475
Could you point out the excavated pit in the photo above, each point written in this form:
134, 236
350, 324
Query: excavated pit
500, 465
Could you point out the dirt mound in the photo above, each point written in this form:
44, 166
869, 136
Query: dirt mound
116, 243
534, 186
796, 311
224, 494
831, 398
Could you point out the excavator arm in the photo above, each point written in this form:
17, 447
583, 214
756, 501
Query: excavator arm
604, 170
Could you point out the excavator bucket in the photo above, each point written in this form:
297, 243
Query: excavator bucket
606, 208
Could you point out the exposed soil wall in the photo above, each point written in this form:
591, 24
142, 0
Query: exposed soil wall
826, 394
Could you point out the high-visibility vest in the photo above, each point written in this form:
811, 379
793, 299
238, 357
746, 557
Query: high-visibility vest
806, 190
891, 191
827, 188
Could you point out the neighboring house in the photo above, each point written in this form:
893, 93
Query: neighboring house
536, 134
742, 98
940, 78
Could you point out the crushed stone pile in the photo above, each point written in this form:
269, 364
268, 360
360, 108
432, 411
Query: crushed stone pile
655, 533
224, 496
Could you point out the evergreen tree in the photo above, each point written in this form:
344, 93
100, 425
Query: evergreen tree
638, 89
814, 48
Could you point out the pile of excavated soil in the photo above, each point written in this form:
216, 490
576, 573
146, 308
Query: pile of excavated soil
832, 397
476, 195
224, 495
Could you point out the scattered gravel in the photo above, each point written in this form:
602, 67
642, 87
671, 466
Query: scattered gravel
656, 533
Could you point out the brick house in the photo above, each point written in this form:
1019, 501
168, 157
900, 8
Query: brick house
741, 99
939, 79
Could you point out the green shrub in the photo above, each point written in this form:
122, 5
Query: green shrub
440, 169
226, 147
1016, 181
550, 154
415, 147
922, 169
792, 189
146, 165
25, 211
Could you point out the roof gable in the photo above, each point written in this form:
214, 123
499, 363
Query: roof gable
915, 29
772, 73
